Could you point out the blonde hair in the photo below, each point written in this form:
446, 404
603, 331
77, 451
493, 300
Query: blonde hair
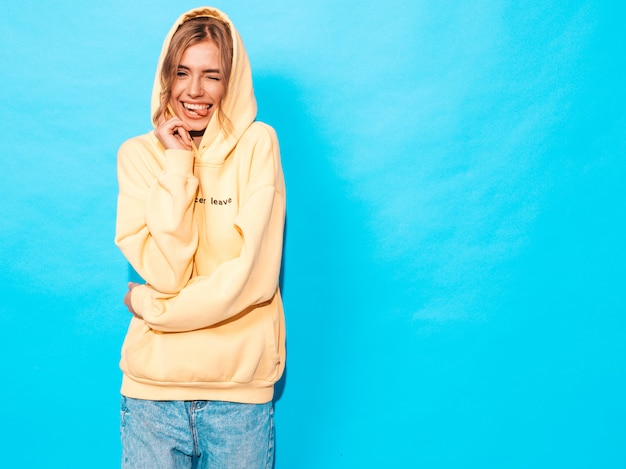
191, 32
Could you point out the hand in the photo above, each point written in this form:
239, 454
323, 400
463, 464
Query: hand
173, 133
127, 298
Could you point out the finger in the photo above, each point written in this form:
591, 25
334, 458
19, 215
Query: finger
178, 126
185, 137
173, 133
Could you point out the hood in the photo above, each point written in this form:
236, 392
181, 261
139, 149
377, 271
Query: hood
239, 105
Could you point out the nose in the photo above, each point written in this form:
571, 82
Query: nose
195, 87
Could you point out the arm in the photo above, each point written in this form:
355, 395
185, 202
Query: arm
154, 228
244, 281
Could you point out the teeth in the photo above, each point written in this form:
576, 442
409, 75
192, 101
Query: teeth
196, 107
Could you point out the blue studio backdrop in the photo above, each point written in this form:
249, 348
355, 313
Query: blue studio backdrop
454, 263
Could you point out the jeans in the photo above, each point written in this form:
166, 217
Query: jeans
196, 434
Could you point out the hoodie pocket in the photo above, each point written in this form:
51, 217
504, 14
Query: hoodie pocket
241, 351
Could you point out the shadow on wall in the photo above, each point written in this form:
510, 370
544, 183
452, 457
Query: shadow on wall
313, 198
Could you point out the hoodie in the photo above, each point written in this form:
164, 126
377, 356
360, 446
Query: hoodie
205, 232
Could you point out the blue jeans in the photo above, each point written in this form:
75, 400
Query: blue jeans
196, 434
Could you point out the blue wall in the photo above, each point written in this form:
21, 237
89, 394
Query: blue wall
454, 264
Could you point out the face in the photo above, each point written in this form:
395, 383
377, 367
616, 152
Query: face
198, 88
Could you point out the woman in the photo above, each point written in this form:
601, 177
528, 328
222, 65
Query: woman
200, 217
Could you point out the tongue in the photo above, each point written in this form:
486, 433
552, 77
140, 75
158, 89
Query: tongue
200, 112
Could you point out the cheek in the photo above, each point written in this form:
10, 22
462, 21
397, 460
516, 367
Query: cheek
218, 93
176, 90
221, 95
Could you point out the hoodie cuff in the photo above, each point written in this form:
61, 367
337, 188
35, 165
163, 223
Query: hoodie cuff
179, 162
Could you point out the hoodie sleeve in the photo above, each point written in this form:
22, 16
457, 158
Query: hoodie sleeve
244, 281
154, 228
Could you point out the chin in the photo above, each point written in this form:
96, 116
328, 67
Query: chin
199, 124
199, 127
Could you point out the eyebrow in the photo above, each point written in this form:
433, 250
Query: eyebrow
210, 70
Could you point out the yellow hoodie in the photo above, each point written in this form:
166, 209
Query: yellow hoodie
205, 232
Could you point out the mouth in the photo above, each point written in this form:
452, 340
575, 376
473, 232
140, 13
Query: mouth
197, 110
